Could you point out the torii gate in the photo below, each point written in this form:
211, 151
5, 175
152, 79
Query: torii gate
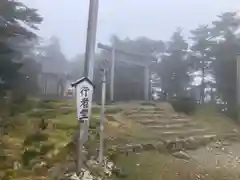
145, 65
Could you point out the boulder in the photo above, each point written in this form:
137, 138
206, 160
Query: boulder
181, 155
160, 146
137, 148
148, 147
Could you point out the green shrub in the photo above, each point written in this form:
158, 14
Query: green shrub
36, 137
45, 104
46, 148
28, 155
66, 111
3, 156
184, 104
43, 124
15, 108
42, 114
18, 97
148, 104
49, 101
8, 175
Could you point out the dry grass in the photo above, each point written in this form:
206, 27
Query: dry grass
155, 166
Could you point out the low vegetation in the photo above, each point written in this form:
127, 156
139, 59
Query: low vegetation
185, 105
34, 137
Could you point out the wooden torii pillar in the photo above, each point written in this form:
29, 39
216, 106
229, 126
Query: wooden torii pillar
146, 67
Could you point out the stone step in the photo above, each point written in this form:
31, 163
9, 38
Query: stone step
147, 109
182, 133
144, 112
191, 143
192, 138
173, 126
145, 116
177, 116
163, 121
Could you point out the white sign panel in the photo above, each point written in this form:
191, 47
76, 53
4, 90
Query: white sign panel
84, 92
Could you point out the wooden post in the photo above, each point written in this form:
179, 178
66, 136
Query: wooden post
238, 84
101, 150
112, 75
88, 72
146, 83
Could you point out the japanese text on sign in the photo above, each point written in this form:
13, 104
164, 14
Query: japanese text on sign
84, 103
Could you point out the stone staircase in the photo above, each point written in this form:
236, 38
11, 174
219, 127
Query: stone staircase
168, 125
162, 129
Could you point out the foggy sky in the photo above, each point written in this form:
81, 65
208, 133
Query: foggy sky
155, 19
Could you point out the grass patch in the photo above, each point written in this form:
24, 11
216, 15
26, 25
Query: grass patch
42, 114
209, 115
148, 104
96, 110
113, 110
155, 166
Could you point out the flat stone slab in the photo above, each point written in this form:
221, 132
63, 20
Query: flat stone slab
169, 126
182, 132
164, 122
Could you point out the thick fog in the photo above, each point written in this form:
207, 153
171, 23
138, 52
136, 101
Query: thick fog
155, 19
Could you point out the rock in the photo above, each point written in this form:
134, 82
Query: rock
137, 148
107, 172
73, 176
191, 144
40, 168
16, 165
85, 175
57, 172
120, 173
148, 147
181, 155
92, 163
175, 145
225, 143
235, 130
159, 146
110, 165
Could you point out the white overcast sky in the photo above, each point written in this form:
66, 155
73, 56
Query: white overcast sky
155, 19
